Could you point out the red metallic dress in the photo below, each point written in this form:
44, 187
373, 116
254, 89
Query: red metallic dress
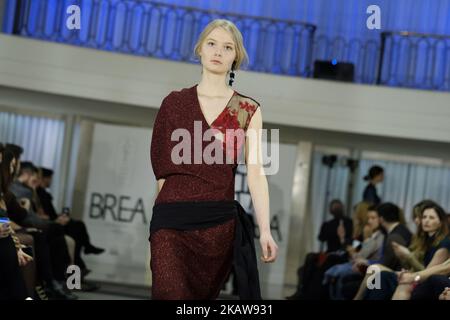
193, 264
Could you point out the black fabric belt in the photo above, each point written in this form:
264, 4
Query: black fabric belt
195, 215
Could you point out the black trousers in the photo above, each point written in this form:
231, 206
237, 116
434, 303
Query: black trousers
350, 285
312, 272
54, 233
12, 284
388, 285
431, 288
59, 253
42, 259
78, 231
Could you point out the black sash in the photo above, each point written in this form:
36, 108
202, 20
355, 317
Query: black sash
205, 214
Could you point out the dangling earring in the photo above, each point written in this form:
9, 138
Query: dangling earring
230, 82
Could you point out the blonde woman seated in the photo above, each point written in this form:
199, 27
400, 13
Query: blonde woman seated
430, 247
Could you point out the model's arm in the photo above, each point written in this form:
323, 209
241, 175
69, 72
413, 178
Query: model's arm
257, 183
160, 185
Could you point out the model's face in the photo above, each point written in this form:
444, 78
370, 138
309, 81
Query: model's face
218, 51
430, 221
373, 220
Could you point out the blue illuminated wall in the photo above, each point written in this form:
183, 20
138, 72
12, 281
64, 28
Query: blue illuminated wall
341, 33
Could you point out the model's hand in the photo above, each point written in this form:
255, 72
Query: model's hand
269, 248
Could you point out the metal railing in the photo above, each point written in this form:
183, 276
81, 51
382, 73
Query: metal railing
166, 31
148, 28
362, 53
414, 60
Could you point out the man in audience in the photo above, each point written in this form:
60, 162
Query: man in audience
337, 234
74, 228
395, 232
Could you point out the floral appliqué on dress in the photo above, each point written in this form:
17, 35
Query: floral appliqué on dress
237, 117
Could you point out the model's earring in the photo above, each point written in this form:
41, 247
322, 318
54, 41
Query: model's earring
230, 82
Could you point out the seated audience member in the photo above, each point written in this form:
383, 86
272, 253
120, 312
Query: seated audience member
427, 284
430, 247
337, 235
12, 284
76, 229
395, 232
52, 257
371, 249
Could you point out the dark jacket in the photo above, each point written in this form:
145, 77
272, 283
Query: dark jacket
328, 234
370, 195
402, 236
15, 211
46, 200
21, 190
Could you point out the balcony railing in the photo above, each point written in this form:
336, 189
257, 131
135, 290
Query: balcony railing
148, 28
166, 31
414, 60
364, 54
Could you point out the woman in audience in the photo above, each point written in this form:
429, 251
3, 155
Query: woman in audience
374, 177
427, 284
430, 247
12, 285
43, 240
360, 220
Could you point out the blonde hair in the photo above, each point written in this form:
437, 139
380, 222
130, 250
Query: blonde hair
360, 218
241, 53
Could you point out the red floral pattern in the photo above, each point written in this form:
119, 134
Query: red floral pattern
247, 106
235, 117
